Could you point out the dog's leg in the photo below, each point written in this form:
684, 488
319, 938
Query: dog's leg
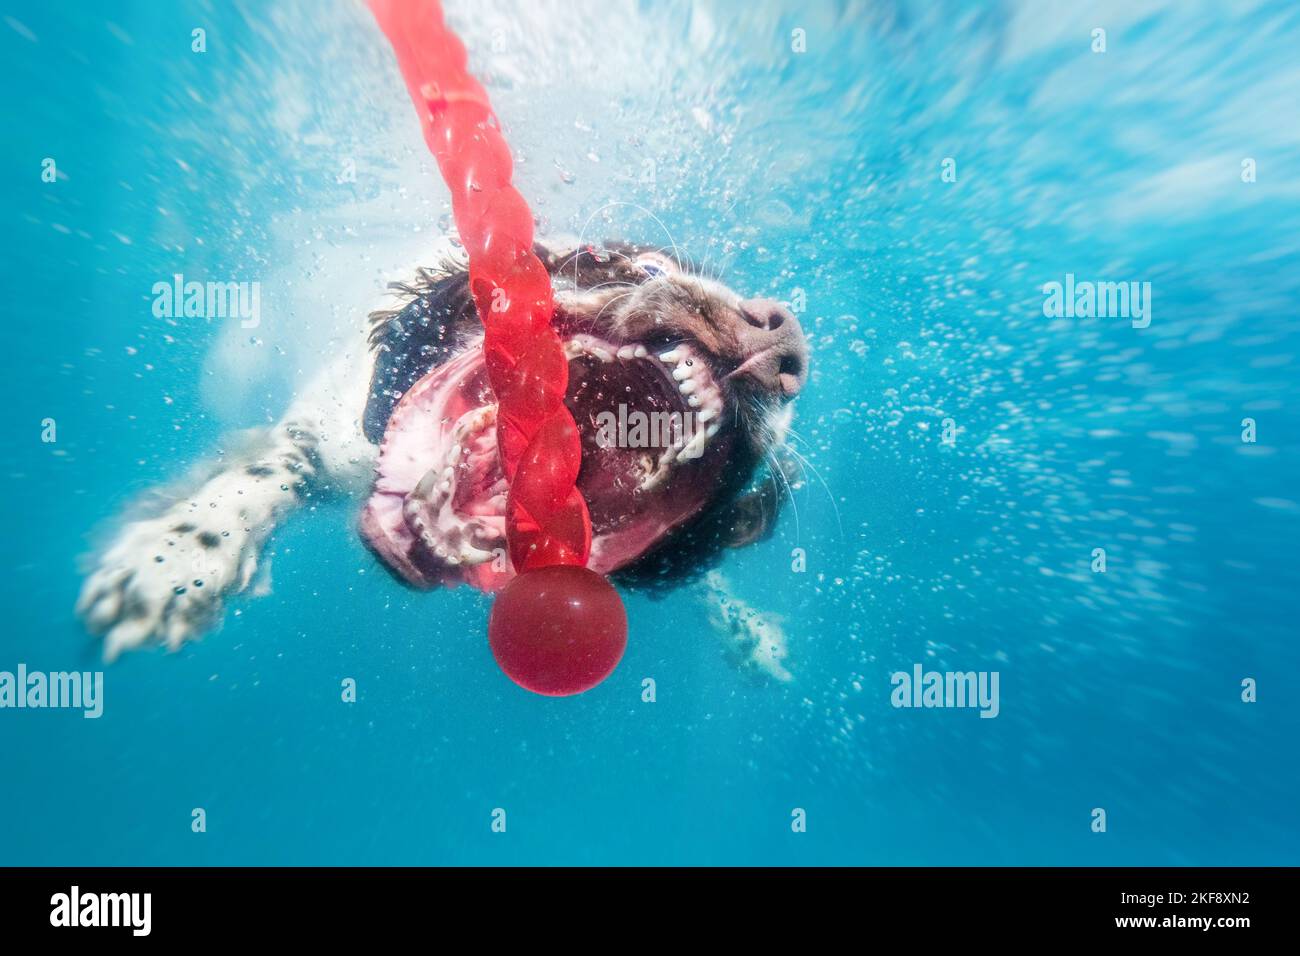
164, 578
754, 642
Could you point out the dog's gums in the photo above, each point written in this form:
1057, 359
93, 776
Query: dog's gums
670, 348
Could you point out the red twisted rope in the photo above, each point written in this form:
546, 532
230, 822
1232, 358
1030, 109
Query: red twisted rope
557, 628
546, 520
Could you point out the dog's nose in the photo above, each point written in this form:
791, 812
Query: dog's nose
773, 352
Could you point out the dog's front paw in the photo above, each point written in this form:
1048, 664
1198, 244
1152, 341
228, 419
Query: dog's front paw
163, 579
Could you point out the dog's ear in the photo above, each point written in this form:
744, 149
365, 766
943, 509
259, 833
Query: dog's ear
424, 331
753, 516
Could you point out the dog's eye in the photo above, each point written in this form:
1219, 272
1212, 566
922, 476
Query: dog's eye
655, 265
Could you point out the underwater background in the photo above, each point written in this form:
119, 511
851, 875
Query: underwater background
799, 150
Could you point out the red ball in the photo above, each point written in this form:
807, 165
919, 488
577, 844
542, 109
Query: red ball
558, 630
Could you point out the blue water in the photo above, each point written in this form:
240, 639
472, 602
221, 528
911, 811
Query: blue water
817, 171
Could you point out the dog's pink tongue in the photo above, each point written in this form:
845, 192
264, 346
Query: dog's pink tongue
418, 439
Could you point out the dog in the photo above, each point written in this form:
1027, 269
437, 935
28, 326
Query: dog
407, 414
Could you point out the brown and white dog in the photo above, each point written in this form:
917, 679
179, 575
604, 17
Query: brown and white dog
408, 415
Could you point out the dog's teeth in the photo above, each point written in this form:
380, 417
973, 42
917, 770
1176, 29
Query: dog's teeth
640, 351
470, 426
695, 447
693, 401
627, 352
482, 536
712, 429
681, 372
686, 387
424, 490
670, 357
707, 414
656, 473
586, 345
475, 556
654, 479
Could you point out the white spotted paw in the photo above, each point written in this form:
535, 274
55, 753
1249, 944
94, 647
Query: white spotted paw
163, 579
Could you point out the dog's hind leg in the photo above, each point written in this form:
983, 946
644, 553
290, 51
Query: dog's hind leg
753, 641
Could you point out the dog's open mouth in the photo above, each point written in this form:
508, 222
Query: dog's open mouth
655, 442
